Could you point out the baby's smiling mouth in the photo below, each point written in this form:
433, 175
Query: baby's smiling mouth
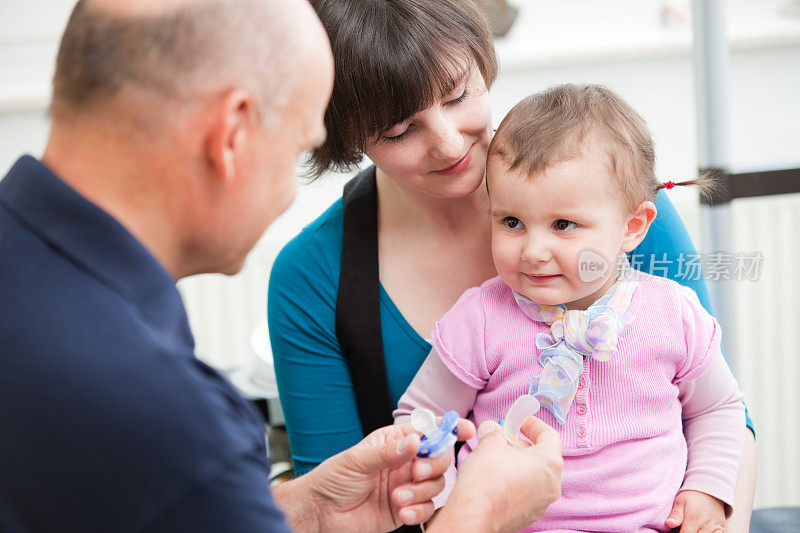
542, 278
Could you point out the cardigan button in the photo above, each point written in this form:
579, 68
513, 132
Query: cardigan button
581, 432
582, 409
581, 382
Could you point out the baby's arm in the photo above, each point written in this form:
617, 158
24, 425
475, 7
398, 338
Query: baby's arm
713, 414
436, 388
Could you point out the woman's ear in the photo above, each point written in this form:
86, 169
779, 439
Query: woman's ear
638, 224
234, 114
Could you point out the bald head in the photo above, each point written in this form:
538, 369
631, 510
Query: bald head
176, 51
137, 8
184, 119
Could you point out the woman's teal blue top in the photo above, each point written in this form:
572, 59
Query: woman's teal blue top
316, 390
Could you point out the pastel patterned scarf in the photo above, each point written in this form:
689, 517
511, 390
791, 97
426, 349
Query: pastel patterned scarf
574, 335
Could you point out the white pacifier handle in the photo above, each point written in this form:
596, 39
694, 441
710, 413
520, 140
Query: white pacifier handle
524, 406
424, 421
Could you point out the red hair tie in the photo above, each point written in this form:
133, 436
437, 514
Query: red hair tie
668, 185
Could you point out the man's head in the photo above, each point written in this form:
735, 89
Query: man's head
198, 107
173, 51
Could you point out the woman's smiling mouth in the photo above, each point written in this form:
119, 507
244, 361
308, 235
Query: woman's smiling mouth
459, 165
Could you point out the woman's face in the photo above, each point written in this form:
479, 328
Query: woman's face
440, 151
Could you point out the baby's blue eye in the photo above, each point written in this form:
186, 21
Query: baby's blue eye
512, 222
564, 225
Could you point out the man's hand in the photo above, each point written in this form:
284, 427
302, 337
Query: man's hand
377, 485
697, 512
502, 488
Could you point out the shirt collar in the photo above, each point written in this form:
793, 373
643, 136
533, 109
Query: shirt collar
94, 241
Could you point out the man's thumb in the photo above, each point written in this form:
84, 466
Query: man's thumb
487, 428
389, 454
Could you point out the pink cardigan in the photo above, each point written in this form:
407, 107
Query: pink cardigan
623, 442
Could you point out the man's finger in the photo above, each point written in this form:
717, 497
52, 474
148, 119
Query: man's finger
487, 428
393, 452
416, 514
431, 467
414, 493
541, 435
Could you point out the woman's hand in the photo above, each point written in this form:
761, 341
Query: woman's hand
377, 485
502, 488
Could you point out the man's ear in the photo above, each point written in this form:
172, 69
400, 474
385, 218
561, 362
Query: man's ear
234, 115
638, 224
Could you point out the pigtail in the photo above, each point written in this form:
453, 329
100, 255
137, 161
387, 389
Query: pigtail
706, 183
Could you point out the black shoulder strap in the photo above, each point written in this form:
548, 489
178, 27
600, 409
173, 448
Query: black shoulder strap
358, 319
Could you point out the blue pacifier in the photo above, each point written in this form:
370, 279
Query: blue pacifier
437, 439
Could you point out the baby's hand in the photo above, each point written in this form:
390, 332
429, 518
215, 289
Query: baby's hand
697, 512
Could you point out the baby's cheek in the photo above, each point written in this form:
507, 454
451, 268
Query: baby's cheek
503, 253
570, 261
508, 272
510, 277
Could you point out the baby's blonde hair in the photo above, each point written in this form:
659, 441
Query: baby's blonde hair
553, 126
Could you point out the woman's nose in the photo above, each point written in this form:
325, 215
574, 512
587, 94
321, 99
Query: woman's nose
447, 142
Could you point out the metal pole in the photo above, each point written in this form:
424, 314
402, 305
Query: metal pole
712, 89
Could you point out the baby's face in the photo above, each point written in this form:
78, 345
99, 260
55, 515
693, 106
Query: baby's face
557, 235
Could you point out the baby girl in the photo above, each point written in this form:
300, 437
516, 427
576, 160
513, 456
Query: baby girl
626, 366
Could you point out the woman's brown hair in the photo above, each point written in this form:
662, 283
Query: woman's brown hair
394, 58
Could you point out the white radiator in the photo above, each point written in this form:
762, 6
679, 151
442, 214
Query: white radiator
767, 321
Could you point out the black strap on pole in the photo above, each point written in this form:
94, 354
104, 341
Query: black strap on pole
736, 185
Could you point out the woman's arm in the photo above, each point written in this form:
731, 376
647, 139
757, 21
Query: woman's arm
314, 382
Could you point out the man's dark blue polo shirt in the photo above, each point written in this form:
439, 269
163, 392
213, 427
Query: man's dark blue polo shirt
107, 420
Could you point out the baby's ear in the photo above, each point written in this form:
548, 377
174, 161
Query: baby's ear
638, 224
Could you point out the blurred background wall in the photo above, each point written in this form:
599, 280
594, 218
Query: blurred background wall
640, 48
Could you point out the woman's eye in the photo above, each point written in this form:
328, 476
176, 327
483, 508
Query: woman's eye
395, 138
397, 132
564, 225
512, 223
458, 100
